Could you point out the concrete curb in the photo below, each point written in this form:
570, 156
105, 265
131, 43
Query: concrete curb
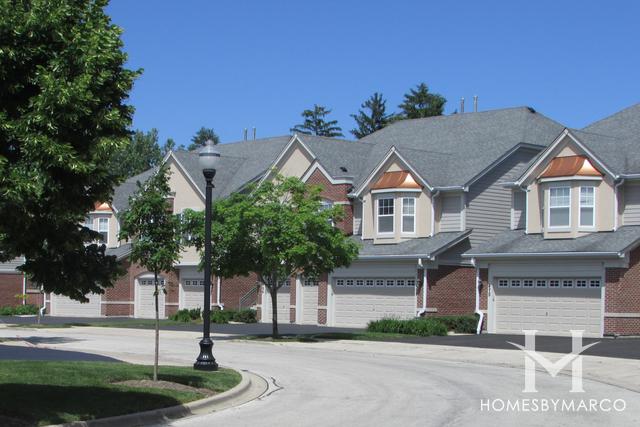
250, 387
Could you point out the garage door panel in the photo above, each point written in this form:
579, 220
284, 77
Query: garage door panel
357, 306
283, 304
64, 306
145, 307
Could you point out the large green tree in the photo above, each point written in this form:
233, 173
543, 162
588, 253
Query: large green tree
202, 136
155, 235
371, 117
316, 124
63, 87
276, 230
419, 103
140, 154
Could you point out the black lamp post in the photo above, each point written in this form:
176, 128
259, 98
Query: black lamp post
208, 158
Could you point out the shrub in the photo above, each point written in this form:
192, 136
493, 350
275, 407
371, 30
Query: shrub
222, 316
465, 324
226, 316
19, 310
186, 315
420, 327
245, 316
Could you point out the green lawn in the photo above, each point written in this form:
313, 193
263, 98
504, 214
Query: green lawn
41, 393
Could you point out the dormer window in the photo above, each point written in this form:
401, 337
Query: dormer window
385, 215
409, 215
559, 207
587, 206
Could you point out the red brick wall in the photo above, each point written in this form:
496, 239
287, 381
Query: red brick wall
451, 290
233, 289
10, 286
335, 193
622, 295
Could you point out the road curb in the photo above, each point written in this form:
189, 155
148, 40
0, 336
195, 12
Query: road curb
251, 387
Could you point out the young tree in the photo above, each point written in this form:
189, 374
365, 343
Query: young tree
155, 235
419, 103
315, 123
141, 154
63, 86
277, 230
203, 135
372, 120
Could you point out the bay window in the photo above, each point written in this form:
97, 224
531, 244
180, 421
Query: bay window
103, 229
385, 215
559, 207
587, 206
409, 215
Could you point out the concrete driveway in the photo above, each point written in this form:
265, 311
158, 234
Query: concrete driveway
371, 383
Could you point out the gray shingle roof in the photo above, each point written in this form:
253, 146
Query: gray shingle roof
426, 247
452, 150
120, 252
128, 188
512, 242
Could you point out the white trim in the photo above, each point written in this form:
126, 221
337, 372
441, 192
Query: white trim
571, 178
185, 173
586, 227
402, 215
393, 216
317, 166
623, 315
396, 190
274, 165
545, 254
557, 228
616, 204
117, 302
433, 212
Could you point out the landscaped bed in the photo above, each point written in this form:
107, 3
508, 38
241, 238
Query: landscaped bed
41, 393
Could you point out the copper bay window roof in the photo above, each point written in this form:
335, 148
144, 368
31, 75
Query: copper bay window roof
570, 166
398, 179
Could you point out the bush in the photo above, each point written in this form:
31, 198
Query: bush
186, 315
245, 316
222, 316
226, 316
420, 327
19, 310
465, 324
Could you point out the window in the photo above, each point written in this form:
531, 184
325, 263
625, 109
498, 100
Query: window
379, 282
515, 283
390, 282
310, 282
411, 282
541, 283
527, 283
554, 283
340, 282
349, 282
359, 282
594, 283
559, 207
103, 229
409, 215
325, 205
503, 283
370, 282
567, 283
88, 222
385, 216
399, 282
587, 206
581, 283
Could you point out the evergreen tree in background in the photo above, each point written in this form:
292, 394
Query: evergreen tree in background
419, 103
315, 123
202, 136
140, 154
371, 117
169, 145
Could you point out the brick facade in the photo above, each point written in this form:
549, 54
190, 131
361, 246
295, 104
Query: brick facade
323, 288
337, 193
622, 295
10, 286
233, 289
451, 290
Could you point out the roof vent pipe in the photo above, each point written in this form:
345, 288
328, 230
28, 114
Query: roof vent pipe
254, 133
475, 103
244, 134
462, 105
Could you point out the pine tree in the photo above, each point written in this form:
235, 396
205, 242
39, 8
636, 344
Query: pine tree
372, 120
203, 135
315, 124
419, 103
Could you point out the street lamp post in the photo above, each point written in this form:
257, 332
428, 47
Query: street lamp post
208, 159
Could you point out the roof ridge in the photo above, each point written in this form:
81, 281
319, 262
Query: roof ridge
636, 105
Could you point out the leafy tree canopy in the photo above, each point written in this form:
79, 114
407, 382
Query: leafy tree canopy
371, 117
63, 86
315, 123
203, 135
140, 154
277, 229
419, 103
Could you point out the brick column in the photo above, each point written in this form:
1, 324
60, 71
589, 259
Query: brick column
292, 299
622, 298
322, 299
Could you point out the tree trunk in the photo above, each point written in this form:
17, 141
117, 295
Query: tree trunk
155, 360
274, 311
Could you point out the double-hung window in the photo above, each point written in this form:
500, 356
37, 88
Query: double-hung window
587, 206
409, 215
559, 207
385, 216
103, 229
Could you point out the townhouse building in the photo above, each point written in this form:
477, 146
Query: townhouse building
503, 213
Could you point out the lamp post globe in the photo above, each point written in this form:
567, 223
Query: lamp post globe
208, 157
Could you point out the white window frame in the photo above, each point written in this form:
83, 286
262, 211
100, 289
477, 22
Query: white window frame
541, 283
503, 283
558, 227
528, 283
403, 215
393, 216
99, 230
594, 283
567, 283
558, 284
593, 207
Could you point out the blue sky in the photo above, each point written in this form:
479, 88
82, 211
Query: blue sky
238, 64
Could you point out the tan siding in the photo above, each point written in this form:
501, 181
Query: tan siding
357, 217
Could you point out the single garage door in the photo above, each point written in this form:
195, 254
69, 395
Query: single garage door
282, 301
145, 306
550, 306
356, 301
191, 293
65, 306
308, 302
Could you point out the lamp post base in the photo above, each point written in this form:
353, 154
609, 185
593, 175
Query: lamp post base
205, 360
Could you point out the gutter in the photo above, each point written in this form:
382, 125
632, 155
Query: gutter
433, 212
546, 254
478, 311
425, 284
615, 204
24, 289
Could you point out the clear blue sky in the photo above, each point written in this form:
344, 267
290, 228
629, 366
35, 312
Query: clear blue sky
236, 64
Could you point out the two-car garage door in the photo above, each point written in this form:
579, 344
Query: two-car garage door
65, 306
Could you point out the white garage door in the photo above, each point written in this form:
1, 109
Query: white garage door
145, 306
550, 306
282, 301
191, 293
357, 301
65, 306
308, 302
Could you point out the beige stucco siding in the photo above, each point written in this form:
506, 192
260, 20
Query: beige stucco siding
295, 163
630, 196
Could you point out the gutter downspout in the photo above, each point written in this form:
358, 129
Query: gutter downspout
478, 284
425, 284
218, 303
433, 212
24, 289
44, 303
615, 204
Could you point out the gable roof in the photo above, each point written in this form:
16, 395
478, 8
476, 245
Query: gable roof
425, 247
